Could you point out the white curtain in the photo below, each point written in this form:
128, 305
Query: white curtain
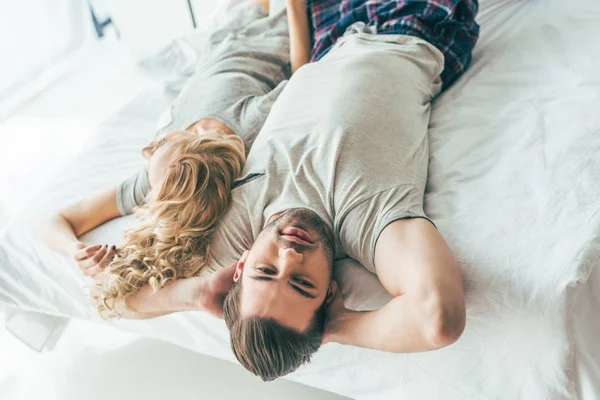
35, 35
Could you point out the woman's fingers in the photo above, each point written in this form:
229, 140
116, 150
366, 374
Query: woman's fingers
100, 254
107, 257
86, 252
94, 272
93, 260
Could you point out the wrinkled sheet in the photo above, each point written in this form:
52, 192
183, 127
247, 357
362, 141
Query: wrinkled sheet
513, 187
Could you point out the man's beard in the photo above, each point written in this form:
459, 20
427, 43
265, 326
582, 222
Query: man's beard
310, 222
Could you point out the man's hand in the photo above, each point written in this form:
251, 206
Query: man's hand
203, 293
93, 259
336, 314
212, 295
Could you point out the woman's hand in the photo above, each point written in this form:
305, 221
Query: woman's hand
93, 259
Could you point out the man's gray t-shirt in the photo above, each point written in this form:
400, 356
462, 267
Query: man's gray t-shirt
346, 139
236, 82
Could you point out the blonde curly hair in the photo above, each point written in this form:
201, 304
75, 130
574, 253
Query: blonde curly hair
171, 242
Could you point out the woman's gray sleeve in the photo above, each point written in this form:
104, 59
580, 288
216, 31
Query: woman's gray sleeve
132, 192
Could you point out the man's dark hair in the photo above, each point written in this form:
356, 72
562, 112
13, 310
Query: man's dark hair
266, 348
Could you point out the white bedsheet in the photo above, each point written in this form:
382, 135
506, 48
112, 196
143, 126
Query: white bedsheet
515, 161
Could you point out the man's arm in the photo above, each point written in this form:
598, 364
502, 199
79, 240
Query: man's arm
177, 296
415, 266
205, 293
299, 33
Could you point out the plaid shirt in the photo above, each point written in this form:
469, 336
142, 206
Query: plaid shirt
447, 24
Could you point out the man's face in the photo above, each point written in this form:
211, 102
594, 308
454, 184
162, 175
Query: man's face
287, 273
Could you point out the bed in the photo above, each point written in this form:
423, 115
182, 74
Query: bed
513, 187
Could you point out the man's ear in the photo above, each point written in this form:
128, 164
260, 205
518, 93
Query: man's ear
331, 292
239, 268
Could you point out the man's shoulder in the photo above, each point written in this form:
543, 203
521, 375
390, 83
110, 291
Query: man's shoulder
228, 241
233, 233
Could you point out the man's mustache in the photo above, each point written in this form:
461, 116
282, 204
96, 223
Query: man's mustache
286, 244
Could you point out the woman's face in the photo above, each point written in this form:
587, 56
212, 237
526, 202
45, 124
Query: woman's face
160, 153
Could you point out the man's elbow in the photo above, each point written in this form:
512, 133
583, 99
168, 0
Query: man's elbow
447, 320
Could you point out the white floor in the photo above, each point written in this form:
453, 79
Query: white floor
95, 362
92, 361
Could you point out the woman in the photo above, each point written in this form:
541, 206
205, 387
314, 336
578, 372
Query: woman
192, 167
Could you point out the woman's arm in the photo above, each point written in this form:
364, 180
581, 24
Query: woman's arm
300, 44
61, 231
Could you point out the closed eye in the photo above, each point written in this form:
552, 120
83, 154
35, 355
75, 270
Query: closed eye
266, 270
304, 293
304, 283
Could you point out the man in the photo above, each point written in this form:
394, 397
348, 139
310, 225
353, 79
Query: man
339, 169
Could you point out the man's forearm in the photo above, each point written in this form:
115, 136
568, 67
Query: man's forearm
177, 296
300, 43
406, 324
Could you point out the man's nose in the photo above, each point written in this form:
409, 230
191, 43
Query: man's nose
290, 256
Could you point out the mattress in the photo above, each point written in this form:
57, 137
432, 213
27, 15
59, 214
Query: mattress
514, 165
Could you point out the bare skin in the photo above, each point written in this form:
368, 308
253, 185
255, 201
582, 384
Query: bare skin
300, 43
286, 275
415, 265
208, 124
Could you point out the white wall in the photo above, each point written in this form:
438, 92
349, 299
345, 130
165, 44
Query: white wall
146, 25
34, 36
